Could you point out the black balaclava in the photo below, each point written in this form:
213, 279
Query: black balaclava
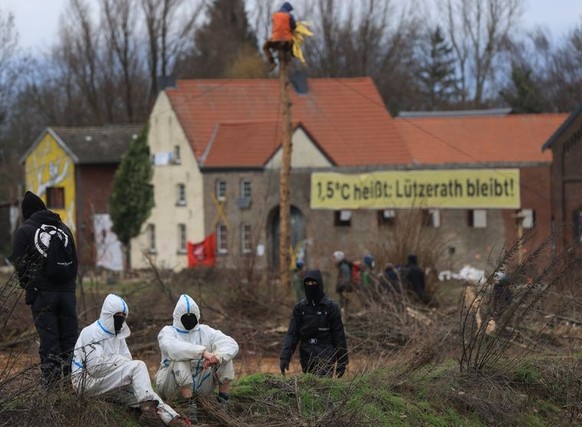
31, 203
189, 321
118, 321
313, 294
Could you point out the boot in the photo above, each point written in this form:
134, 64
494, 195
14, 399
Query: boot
180, 422
149, 414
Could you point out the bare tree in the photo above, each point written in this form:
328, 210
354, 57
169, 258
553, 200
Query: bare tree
478, 31
8, 61
119, 20
168, 35
366, 38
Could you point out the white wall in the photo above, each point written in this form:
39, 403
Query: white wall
165, 133
304, 153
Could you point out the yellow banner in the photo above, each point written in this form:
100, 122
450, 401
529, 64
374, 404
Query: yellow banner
455, 188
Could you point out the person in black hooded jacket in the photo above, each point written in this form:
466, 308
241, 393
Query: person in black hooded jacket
53, 304
317, 327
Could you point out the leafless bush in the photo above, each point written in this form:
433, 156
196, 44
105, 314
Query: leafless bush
489, 328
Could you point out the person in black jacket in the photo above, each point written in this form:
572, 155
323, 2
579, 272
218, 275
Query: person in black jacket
317, 327
53, 304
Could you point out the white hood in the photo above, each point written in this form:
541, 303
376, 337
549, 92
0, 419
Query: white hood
185, 305
113, 304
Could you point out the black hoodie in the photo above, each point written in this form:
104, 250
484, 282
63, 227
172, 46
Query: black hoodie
317, 325
26, 257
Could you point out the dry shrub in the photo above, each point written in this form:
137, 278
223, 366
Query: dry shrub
523, 324
412, 234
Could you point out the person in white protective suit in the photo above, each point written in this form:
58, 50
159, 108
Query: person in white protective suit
102, 366
195, 358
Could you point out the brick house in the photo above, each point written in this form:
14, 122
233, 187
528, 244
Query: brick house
71, 169
216, 151
566, 179
488, 141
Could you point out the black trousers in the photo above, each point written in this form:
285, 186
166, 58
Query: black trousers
55, 318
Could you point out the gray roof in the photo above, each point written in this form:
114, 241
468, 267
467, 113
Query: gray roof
456, 113
98, 144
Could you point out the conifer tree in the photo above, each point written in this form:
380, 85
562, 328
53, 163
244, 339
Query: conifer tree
132, 196
436, 73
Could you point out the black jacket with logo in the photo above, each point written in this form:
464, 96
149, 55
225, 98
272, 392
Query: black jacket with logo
27, 256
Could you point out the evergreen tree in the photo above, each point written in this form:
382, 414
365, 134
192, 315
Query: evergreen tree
132, 198
524, 95
436, 73
224, 39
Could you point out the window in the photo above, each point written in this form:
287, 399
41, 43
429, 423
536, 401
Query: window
221, 239
431, 218
221, 190
152, 237
477, 218
182, 238
55, 197
245, 189
343, 218
387, 217
245, 238
181, 195
177, 159
528, 218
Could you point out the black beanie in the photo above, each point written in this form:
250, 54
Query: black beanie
31, 203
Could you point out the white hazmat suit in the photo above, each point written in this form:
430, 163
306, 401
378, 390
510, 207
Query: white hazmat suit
102, 364
182, 351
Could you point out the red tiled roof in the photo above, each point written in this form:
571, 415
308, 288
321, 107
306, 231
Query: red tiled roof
243, 144
346, 116
484, 139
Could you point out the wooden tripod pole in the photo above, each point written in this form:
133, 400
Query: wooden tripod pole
284, 205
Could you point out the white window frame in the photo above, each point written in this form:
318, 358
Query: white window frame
528, 218
245, 238
245, 189
151, 232
182, 238
479, 218
220, 189
177, 159
221, 238
435, 218
181, 194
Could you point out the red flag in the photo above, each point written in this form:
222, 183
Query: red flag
202, 253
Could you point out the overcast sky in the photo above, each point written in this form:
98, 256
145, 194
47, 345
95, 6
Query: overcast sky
37, 20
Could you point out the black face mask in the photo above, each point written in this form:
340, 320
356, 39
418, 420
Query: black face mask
118, 321
189, 320
313, 293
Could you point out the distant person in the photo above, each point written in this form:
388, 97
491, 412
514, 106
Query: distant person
297, 279
50, 288
196, 359
344, 286
316, 326
283, 24
103, 366
414, 278
390, 280
366, 280
502, 296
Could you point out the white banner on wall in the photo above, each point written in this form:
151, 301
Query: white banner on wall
108, 247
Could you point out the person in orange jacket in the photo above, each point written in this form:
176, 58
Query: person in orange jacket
282, 35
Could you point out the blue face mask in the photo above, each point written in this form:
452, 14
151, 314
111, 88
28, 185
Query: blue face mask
189, 320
